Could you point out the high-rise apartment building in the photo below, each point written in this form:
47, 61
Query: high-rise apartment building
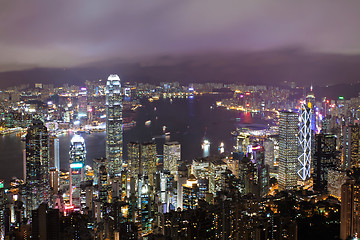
350, 146
133, 150
114, 125
172, 156
148, 161
37, 166
288, 150
350, 209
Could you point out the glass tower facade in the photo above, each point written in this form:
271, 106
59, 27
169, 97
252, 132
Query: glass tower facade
114, 125
172, 156
77, 159
305, 140
37, 185
288, 150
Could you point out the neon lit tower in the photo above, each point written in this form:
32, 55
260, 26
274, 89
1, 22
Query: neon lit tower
310, 101
114, 125
305, 140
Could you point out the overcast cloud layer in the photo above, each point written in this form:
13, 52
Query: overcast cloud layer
73, 33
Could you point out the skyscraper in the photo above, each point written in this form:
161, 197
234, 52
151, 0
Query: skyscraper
114, 125
350, 146
37, 166
288, 150
54, 154
77, 160
134, 159
325, 159
310, 102
172, 155
2, 209
350, 209
305, 140
148, 161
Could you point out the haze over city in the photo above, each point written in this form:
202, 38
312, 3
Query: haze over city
266, 42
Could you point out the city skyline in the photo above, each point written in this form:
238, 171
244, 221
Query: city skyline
180, 120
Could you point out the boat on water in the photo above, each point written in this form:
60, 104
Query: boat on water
221, 148
148, 123
129, 125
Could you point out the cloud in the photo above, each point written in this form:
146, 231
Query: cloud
71, 33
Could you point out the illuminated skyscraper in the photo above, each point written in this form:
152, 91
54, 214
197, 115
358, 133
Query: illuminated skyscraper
2, 210
148, 161
305, 140
114, 125
350, 210
54, 163
82, 103
77, 160
310, 102
172, 156
37, 166
288, 150
190, 193
350, 146
145, 209
242, 141
324, 159
134, 159
54, 155
354, 148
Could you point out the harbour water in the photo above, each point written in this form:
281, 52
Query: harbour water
187, 120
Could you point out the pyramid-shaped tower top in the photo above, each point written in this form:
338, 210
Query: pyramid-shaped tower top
113, 77
311, 93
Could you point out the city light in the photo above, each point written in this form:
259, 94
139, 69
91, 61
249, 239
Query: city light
76, 165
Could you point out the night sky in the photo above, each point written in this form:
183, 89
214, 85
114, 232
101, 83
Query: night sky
309, 37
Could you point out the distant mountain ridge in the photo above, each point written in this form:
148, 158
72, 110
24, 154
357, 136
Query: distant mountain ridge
268, 68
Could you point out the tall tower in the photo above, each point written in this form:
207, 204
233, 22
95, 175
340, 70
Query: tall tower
288, 150
37, 166
350, 209
310, 102
172, 156
54, 154
114, 125
134, 159
305, 140
77, 159
148, 161
54, 163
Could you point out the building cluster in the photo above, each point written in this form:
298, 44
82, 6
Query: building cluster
272, 185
